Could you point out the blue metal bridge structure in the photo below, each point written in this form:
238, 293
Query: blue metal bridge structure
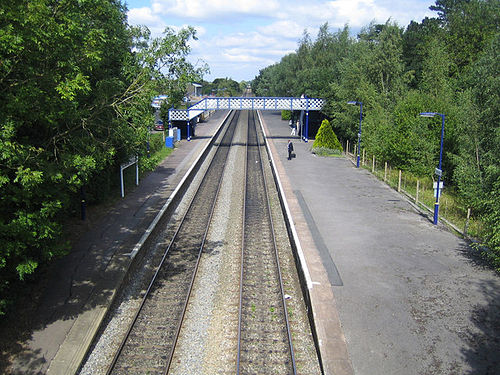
246, 103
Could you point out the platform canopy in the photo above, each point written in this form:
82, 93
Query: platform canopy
241, 103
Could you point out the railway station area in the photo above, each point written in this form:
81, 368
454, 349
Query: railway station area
234, 258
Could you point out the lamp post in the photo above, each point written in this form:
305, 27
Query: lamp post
439, 170
359, 133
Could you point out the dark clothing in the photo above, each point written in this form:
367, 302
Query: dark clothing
290, 150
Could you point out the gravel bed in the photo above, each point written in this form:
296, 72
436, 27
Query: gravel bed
208, 340
306, 359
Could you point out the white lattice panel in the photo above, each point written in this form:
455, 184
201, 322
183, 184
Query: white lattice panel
247, 103
177, 115
262, 103
182, 114
284, 103
297, 104
211, 103
258, 103
316, 103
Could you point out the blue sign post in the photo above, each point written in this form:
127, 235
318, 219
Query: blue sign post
359, 133
439, 170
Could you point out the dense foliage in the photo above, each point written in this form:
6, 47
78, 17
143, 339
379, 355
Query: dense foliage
76, 84
448, 64
223, 87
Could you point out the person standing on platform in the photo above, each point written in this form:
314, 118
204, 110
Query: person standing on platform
290, 149
294, 128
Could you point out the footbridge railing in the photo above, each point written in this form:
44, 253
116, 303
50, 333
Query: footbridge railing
246, 103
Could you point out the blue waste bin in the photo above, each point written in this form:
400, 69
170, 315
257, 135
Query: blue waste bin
169, 142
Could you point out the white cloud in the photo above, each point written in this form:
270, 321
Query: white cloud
337, 13
284, 28
144, 16
201, 9
257, 52
243, 36
239, 57
241, 39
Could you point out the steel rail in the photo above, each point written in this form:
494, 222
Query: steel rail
159, 268
283, 299
242, 267
212, 209
251, 123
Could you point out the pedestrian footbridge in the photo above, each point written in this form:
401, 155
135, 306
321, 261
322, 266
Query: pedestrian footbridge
246, 103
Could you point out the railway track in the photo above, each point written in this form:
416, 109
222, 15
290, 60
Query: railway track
150, 340
264, 338
261, 341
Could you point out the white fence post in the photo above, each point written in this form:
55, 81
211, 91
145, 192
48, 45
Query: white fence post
416, 194
467, 222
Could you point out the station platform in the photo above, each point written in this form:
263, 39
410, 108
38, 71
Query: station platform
82, 283
390, 292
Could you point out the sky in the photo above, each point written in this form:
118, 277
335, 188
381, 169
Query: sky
237, 38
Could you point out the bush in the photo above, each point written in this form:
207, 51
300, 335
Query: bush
323, 151
326, 140
286, 114
157, 152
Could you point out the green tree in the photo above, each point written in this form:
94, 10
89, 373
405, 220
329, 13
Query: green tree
76, 86
222, 87
447, 64
415, 40
477, 173
326, 138
61, 61
470, 25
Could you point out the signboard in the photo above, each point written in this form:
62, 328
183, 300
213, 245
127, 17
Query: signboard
441, 186
132, 161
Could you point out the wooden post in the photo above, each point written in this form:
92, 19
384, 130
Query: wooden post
385, 172
347, 148
467, 222
399, 182
373, 164
363, 161
416, 194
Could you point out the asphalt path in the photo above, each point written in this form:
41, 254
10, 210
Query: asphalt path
412, 297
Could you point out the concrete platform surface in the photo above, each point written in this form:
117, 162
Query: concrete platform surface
408, 296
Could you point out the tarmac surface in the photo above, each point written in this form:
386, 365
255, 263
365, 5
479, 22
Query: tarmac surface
390, 292
410, 296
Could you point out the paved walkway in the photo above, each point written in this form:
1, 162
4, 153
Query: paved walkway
83, 283
409, 296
